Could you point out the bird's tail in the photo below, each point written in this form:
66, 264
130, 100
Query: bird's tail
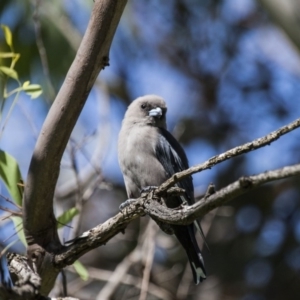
186, 236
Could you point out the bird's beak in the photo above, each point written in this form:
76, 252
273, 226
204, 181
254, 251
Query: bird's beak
155, 112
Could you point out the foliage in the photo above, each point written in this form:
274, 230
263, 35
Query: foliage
11, 175
32, 90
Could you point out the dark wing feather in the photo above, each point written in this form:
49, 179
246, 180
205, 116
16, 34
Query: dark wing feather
172, 157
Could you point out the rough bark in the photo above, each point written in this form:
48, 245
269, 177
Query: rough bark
38, 217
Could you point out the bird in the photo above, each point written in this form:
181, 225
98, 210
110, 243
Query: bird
148, 155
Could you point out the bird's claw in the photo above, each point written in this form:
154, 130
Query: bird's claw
126, 204
148, 189
184, 203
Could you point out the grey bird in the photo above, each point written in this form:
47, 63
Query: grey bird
148, 156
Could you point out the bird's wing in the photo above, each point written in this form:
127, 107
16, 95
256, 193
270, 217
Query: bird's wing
172, 157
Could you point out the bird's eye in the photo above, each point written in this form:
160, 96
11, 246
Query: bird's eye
143, 106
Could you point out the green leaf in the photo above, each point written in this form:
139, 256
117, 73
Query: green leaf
7, 34
33, 90
7, 54
67, 216
9, 72
15, 59
25, 84
81, 270
11, 175
18, 222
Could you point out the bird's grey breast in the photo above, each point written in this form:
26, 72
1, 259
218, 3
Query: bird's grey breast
137, 158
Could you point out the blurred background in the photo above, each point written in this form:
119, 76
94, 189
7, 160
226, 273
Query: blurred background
229, 71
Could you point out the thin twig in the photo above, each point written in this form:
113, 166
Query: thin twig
188, 214
102, 233
63, 24
133, 257
102, 137
41, 48
149, 244
28, 116
12, 212
77, 284
76, 222
11, 202
127, 279
120, 271
250, 146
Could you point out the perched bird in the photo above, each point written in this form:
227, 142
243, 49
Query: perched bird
148, 156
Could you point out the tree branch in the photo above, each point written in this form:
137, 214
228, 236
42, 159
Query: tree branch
92, 56
128, 279
135, 256
285, 15
102, 233
28, 284
188, 214
99, 235
250, 146
147, 203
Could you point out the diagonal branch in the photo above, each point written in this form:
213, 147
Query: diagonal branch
250, 146
92, 56
99, 235
40, 226
188, 214
102, 233
145, 204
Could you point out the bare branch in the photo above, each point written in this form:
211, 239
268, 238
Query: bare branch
102, 233
188, 214
285, 15
128, 279
28, 284
149, 248
41, 48
114, 281
40, 226
250, 146
99, 235
79, 202
91, 57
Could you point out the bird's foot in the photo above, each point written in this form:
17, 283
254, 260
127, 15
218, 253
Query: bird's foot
126, 204
148, 189
184, 203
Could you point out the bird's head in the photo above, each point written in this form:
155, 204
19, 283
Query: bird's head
149, 109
